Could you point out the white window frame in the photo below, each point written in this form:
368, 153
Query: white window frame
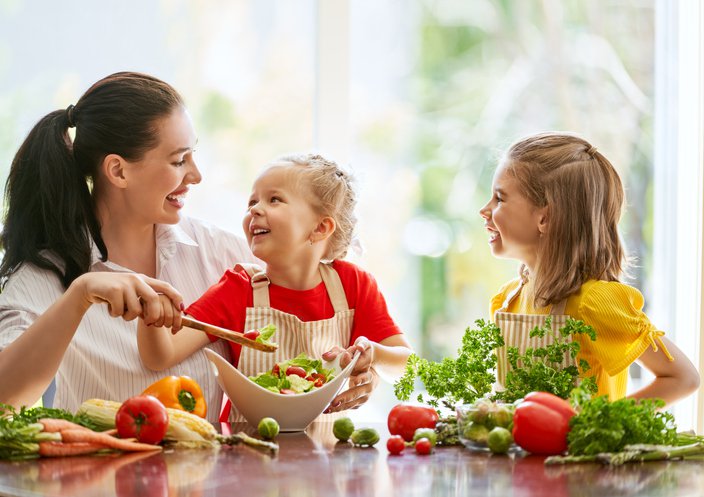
678, 261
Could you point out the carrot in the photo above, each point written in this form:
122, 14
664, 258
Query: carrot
88, 436
61, 449
52, 425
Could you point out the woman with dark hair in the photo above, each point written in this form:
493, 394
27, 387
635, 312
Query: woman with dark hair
97, 220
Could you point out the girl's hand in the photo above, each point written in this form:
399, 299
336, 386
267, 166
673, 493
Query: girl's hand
363, 379
131, 295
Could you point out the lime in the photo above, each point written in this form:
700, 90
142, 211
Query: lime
428, 433
268, 428
479, 412
342, 429
364, 437
476, 432
501, 417
499, 440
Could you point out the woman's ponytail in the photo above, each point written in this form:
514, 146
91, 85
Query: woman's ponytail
49, 210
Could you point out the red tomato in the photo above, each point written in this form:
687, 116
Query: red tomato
540, 429
251, 334
142, 417
395, 444
287, 391
404, 420
298, 371
276, 370
423, 446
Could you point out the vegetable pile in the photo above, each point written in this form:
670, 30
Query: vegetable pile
486, 425
36, 432
298, 375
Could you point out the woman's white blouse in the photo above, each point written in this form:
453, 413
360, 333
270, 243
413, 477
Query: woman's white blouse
102, 360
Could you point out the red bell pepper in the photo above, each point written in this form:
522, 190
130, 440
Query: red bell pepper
541, 423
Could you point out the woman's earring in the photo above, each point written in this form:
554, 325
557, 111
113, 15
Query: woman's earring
311, 241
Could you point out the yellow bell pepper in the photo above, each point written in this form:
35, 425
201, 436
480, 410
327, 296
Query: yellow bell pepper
179, 392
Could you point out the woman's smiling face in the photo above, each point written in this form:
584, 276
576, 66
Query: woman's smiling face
159, 180
513, 222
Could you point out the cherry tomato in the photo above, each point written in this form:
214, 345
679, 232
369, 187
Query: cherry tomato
276, 370
298, 371
404, 420
423, 446
318, 379
251, 334
395, 444
287, 391
142, 417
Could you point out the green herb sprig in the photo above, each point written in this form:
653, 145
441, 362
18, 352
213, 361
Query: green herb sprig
463, 379
540, 368
602, 426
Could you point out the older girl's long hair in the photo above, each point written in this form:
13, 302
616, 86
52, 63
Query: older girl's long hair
584, 197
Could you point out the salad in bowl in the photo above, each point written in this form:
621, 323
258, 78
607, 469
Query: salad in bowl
298, 375
292, 397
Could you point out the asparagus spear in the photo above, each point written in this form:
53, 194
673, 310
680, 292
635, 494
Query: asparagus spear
242, 437
635, 453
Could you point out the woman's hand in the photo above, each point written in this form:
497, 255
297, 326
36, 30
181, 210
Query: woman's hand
363, 379
131, 295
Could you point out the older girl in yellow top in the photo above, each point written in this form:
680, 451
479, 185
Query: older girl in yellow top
555, 207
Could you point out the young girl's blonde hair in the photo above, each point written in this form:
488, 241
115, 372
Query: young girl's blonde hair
332, 195
584, 198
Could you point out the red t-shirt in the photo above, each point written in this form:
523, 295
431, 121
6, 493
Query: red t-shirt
225, 304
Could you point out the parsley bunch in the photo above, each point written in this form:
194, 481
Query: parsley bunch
603, 426
540, 369
463, 379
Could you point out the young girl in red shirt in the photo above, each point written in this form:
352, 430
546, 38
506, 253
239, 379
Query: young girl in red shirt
300, 222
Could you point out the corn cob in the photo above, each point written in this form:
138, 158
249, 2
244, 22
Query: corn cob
184, 429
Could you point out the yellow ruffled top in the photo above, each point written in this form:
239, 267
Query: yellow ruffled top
623, 330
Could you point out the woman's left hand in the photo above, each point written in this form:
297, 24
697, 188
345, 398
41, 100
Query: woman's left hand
363, 379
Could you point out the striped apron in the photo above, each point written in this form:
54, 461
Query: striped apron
516, 328
293, 336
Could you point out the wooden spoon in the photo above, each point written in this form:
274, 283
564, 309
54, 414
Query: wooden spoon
229, 335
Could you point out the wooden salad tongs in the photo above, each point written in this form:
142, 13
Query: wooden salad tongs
225, 334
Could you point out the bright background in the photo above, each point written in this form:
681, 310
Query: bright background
418, 98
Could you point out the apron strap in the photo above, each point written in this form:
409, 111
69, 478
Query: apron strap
509, 298
333, 285
260, 284
556, 310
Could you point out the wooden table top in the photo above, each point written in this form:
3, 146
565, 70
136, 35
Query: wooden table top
313, 464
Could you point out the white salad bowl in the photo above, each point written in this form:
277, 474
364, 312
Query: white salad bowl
293, 412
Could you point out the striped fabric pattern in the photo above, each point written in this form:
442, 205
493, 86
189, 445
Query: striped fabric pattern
294, 336
102, 360
515, 329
